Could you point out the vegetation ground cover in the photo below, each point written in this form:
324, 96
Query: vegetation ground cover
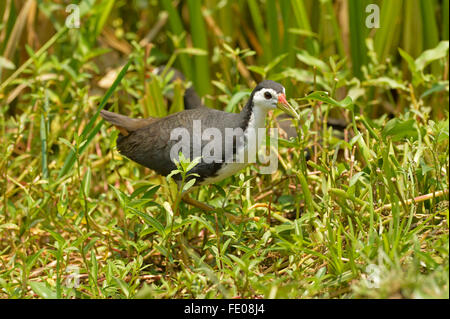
356, 212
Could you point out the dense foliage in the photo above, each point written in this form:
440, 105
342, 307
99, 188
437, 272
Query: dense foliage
356, 212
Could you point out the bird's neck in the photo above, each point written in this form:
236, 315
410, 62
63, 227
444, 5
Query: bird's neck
253, 116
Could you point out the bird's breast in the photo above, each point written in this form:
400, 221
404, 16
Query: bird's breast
226, 170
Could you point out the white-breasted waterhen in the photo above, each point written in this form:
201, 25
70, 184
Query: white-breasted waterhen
149, 141
192, 100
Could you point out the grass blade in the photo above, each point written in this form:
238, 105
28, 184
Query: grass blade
88, 134
201, 76
430, 30
44, 48
272, 25
176, 27
358, 33
259, 29
336, 29
106, 7
445, 14
387, 36
301, 16
43, 135
412, 39
16, 32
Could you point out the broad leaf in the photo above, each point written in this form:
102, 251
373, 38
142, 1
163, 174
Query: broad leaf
398, 129
310, 60
324, 97
428, 56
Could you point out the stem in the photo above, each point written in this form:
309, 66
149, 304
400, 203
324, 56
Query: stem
30, 60
418, 199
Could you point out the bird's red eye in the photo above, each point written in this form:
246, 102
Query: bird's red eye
267, 95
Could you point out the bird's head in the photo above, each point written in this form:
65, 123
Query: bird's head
268, 95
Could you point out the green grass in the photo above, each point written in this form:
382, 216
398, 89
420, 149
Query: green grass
361, 212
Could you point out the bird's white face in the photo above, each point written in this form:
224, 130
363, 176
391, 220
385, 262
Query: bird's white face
267, 99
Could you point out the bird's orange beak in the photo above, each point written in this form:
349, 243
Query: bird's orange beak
282, 99
286, 107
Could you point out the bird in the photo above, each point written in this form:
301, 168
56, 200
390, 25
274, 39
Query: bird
192, 100
150, 141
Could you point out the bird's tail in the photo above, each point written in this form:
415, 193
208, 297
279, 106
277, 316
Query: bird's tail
125, 124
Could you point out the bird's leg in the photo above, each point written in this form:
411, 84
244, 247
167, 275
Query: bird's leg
205, 207
208, 208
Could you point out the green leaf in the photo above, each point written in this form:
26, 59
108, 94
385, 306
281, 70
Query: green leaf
221, 86
67, 143
192, 164
288, 143
31, 260
275, 61
308, 59
355, 178
169, 212
150, 221
6, 64
385, 81
441, 130
43, 135
302, 22
88, 133
123, 286
105, 8
257, 69
174, 172
123, 198
193, 51
87, 182
151, 192
428, 56
437, 87
398, 129
94, 266
324, 97
238, 261
306, 192
235, 100
302, 75
56, 236
409, 60
220, 190
303, 32
189, 184
140, 190
42, 289
148, 190
204, 222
